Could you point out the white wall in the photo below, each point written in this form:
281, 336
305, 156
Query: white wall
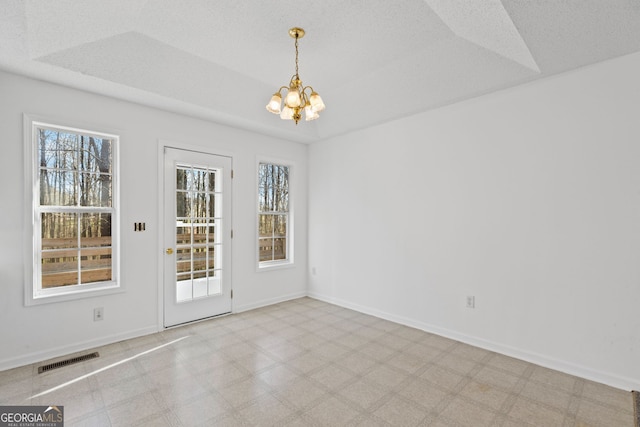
35, 333
528, 199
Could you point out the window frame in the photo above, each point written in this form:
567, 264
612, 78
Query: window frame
34, 294
289, 261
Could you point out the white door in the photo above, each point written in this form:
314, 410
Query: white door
197, 234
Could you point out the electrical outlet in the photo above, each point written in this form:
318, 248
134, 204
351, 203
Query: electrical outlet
471, 302
98, 314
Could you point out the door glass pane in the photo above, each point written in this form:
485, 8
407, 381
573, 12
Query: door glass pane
200, 236
199, 255
211, 257
214, 204
214, 282
183, 260
183, 233
196, 232
181, 178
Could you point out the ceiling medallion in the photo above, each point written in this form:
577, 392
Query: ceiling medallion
297, 98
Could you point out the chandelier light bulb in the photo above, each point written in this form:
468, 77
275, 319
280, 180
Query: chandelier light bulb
292, 99
274, 105
310, 113
287, 113
316, 102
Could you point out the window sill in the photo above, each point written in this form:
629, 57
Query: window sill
277, 265
103, 290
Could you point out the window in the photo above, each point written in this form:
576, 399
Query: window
74, 207
274, 221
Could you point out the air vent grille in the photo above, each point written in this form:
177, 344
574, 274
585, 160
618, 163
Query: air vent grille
67, 362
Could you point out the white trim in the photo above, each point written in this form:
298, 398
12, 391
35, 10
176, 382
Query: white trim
610, 379
40, 356
290, 261
33, 295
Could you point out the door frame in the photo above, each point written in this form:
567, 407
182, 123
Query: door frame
162, 144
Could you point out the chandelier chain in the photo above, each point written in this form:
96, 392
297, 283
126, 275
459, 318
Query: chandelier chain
297, 76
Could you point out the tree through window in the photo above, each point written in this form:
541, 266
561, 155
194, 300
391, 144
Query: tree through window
74, 221
273, 214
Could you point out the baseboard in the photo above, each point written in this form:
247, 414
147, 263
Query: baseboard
267, 302
40, 356
612, 380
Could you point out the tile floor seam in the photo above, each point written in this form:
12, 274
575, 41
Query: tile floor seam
571, 410
533, 402
628, 409
514, 391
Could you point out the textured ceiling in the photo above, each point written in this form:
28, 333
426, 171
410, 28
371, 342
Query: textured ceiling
372, 61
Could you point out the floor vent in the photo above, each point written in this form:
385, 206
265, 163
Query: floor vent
67, 362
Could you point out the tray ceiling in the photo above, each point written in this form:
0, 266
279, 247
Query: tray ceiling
372, 61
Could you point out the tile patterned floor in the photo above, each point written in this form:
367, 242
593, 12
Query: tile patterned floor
308, 363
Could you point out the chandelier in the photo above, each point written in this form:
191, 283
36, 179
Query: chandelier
297, 98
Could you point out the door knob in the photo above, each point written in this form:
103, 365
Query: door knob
169, 251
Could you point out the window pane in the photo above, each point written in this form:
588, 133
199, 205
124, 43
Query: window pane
273, 188
59, 268
95, 190
95, 265
95, 230
265, 225
94, 154
280, 225
59, 230
265, 246
279, 249
58, 188
57, 149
